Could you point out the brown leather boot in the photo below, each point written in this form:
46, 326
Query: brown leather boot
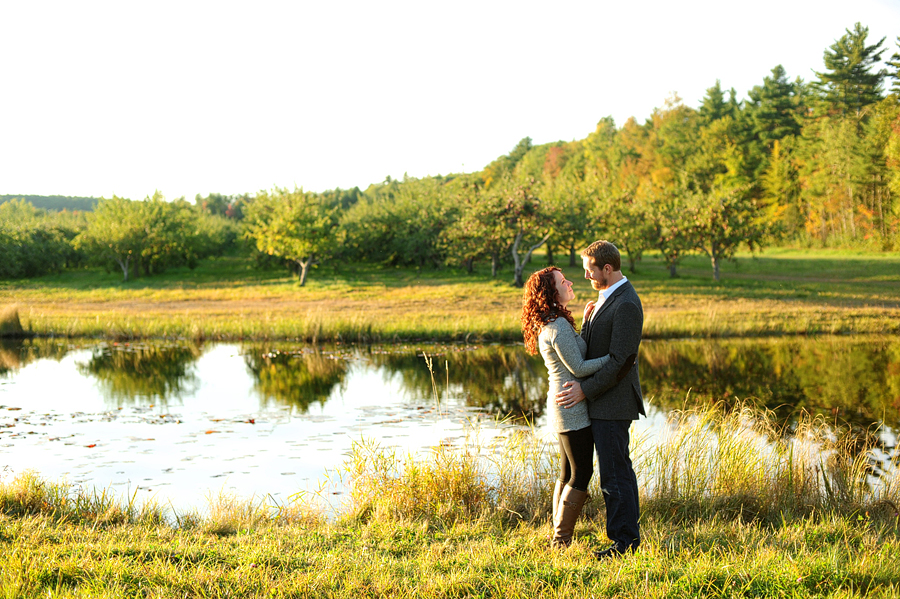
557, 491
571, 501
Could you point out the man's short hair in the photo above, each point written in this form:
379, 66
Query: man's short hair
602, 253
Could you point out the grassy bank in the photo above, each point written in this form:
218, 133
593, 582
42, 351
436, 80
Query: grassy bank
822, 558
778, 292
728, 511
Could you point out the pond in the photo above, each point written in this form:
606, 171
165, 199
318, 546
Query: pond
181, 422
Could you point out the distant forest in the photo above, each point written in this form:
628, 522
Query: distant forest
55, 203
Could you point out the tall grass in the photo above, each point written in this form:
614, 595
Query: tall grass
504, 480
27, 495
368, 322
711, 463
733, 507
228, 513
739, 463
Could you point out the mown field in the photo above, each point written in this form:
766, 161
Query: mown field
780, 291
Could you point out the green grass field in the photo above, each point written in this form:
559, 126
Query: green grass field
824, 558
781, 291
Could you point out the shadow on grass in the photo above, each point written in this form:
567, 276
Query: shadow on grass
242, 271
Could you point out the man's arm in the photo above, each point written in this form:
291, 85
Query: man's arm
572, 393
626, 337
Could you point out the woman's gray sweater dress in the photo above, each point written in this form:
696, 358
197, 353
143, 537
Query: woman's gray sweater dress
563, 351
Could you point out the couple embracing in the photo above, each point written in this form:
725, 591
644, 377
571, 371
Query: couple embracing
594, 393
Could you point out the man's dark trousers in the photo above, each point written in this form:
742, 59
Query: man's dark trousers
618, 482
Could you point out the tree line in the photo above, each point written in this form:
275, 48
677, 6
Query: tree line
815, 163
134, 237
56, 203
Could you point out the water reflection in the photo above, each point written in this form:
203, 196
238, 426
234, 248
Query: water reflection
132, 373
502, 380
848, 380
280, 413
295, 377
18, 353
853, 380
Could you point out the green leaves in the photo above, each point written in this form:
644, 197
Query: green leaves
34, 242
146, 237
295, 225
722, 220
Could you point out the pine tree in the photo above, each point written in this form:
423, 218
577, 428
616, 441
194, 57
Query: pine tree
713, 106
848, 84
773, 108
894, 74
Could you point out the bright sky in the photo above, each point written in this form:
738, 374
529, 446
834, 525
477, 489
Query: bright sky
188, 97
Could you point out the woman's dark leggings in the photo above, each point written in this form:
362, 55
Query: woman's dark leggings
576, 458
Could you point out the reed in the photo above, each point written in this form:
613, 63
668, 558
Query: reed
712, 463
29, 495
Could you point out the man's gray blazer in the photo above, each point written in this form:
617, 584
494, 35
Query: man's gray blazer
614, 391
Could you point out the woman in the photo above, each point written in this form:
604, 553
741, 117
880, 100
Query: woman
548, 327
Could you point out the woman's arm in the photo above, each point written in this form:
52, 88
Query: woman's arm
566, 345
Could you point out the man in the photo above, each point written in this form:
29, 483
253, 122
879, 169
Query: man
612, 325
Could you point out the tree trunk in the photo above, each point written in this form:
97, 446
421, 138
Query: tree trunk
495, 264
520, 263
304, 268
469, 264
851, 210
715, 266
572, 255
673, 270
124, 266
549, 254
517, 264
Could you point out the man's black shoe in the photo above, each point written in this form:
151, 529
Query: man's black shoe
613, 552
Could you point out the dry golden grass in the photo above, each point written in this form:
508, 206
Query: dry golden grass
781, 294
492, 316
9, 321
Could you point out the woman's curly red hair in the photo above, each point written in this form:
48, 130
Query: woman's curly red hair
540, 305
